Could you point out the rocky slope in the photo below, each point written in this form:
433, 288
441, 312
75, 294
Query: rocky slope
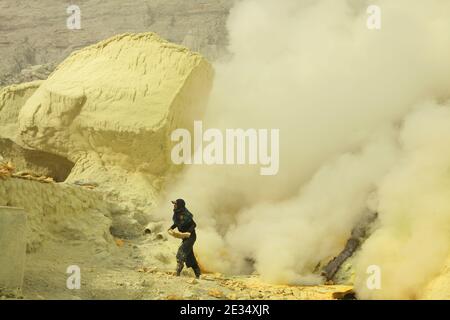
59, 212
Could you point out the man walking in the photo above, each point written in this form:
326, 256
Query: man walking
183, 220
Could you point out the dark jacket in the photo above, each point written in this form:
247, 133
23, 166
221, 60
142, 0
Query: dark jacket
183, 220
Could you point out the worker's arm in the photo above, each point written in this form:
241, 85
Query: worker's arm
171, 229
184, 235
179, 235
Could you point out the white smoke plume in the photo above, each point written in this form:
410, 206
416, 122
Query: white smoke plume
364, 126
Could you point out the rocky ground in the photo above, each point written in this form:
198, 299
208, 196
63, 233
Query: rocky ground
112, 267
143, 269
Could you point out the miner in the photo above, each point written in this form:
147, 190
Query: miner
184, 222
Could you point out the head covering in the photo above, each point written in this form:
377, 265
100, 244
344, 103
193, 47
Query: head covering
181, 215
181, 204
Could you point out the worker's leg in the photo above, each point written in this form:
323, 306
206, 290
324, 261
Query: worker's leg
180, 266
181, 259
197, 271
191, 261
194, 264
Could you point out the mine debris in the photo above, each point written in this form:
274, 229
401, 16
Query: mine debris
32, 176
86, 184
216, 293
345, 295
359, 233
6, 170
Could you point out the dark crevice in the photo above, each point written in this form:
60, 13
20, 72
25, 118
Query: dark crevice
359, 233
35, 161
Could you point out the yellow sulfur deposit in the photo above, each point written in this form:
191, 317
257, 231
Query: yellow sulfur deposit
12, 99
110, 109
439, 287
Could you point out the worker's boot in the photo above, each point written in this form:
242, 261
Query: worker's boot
180, 266
197, 271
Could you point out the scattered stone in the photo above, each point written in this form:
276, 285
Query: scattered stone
232, 296
188, 295
6, 170
119, 242
174, 297
287, 291
146, 283
86, 184
161, 236
254, 295
345, 295
216, 293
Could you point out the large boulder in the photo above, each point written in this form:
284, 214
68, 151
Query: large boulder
110, 109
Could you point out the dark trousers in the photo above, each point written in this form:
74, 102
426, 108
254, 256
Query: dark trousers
185, 255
